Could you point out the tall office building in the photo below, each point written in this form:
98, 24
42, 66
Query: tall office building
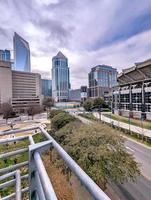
46, 87
60, 78
101, 79
21, 54
5, 55
20, 89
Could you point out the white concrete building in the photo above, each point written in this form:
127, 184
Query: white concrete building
5, 82
132, 97
21, 89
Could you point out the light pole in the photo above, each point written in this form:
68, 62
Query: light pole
142, 125
100, 109
129, 122
110, 119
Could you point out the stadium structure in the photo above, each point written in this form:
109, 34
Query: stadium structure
132, 97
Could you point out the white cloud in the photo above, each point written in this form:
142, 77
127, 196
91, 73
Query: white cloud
120, 55
84, 30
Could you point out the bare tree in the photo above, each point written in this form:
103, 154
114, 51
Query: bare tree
7, 110
33, 109
48, 102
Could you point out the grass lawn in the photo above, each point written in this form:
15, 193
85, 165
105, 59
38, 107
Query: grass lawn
136, 122
124, 132
88, 116
18, 159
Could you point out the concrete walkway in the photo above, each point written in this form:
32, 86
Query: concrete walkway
133, 128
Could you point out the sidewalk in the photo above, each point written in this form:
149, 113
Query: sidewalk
133, 128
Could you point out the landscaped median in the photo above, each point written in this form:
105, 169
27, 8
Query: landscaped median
136, 122
135, 132
98, 149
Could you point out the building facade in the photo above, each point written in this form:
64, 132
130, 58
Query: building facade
60, 78
78, 94
21, 54
46, 87
26, 90
5, 82
132, 98
101, 79
5, 55
20, 89
84, 93
75, 95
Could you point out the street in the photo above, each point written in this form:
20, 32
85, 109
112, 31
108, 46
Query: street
141, 190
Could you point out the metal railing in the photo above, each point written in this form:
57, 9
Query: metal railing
40, 186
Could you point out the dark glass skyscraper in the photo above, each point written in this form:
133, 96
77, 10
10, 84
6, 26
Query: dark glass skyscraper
47, 87
60, 78
21, 54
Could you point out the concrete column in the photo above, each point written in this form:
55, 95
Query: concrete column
119, 101
130, 105
143, 115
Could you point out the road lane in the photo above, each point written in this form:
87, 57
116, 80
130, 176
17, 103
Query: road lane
142, 156
142, 189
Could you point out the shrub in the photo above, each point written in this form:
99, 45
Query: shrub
100, 151
53, 113
88, 104
61, 120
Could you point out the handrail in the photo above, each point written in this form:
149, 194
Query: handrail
92, 187
35, 163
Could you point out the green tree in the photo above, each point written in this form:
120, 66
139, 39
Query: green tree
100, 151
61, 120
55, 112
98, 102
88, 104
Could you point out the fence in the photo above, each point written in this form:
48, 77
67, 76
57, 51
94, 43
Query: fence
40, 187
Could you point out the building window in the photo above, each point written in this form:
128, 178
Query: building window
148, 97
148, 108
137, 98
124, 98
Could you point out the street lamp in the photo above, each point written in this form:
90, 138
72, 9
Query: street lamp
129, 122
100, 110
142, 125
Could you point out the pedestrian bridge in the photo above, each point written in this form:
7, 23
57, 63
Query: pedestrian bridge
39, 184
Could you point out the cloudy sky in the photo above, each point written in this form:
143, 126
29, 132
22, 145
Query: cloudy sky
88, 32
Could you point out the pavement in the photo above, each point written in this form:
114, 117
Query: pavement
141, 190
24, 118
25, 122
133, 128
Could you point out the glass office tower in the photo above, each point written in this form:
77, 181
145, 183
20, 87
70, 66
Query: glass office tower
60, 78
47, 87
5, 55
21, 54
101, 79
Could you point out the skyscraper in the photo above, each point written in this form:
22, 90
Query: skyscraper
101, 79
21, 54
60, 78
5, 55
46, 87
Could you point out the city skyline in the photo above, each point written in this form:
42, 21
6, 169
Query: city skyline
78, 29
